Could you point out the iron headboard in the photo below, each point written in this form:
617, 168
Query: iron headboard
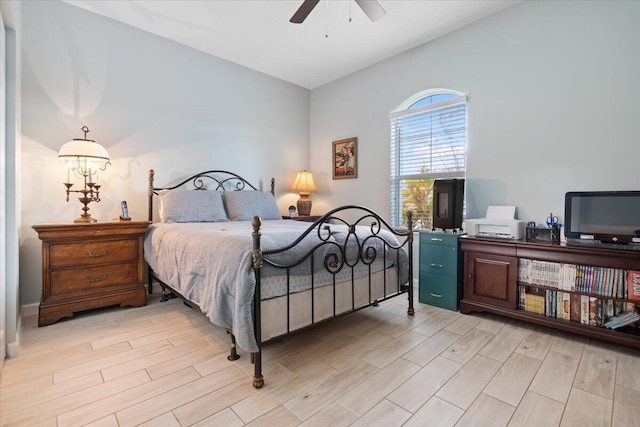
212, 179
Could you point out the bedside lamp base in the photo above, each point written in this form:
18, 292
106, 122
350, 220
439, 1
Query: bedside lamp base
304, 205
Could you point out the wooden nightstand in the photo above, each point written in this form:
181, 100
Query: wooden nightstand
87, 266
305, 218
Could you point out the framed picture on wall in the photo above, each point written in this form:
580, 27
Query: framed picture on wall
345, 158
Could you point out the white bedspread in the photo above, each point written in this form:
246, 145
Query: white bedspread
210, 264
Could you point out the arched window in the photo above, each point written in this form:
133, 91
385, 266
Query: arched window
428, 141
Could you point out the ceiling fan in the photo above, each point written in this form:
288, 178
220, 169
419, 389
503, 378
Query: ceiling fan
371, 8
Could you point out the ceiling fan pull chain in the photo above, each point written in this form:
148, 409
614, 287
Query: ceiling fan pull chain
326, 18
349, 11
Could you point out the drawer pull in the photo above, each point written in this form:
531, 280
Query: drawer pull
92, 255
435, 295
99, 279
436, 265
436, 239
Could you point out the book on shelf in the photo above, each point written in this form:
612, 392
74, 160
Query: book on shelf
609, 309
621, 291
574, 316
566, 306
569, 277
622, 319
599, 312
584, 309
524, 270
593, 310
633, 285
559, 305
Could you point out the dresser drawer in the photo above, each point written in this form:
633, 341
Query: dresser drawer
96, 252
439, 259
438, 290
92, 278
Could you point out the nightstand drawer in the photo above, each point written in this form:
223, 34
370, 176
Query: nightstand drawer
439, 259
438, 290
90, 253
87, 279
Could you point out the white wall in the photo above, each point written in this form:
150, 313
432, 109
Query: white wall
153, 104
551, 85
553, 90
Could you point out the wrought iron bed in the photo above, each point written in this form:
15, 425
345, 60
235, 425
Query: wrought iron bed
340, 248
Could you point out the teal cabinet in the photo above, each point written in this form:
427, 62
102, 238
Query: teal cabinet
440, 276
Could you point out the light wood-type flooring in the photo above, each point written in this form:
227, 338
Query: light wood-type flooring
166, 365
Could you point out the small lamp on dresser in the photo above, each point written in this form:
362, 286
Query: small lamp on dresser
84, 158
304, 186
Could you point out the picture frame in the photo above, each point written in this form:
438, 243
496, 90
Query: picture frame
345, 158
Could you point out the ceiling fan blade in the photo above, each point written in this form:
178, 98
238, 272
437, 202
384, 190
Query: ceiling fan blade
372, 9
303, 11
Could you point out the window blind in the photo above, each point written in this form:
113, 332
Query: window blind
427, 142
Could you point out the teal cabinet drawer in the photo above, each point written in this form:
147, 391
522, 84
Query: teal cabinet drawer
439, 259
437, 290
439, 239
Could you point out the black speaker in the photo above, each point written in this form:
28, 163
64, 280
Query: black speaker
448, 200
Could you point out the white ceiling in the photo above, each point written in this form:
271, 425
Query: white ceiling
258, 34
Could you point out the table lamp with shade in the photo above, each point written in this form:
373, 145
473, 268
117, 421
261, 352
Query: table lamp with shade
304, 186
84, 158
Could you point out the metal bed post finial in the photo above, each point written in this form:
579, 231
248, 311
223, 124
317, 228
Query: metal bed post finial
150, 187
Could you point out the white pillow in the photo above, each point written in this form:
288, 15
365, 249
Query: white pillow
244, 205
191, 206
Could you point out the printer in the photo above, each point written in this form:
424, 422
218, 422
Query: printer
499, 222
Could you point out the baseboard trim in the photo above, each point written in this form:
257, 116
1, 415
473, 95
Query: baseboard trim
3, 349
13, 348
30, 309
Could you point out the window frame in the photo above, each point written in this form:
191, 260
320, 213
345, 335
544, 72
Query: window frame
404, 110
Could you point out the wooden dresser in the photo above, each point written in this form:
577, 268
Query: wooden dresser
87, 266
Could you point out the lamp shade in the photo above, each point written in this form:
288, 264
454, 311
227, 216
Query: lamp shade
303, 183
83, 148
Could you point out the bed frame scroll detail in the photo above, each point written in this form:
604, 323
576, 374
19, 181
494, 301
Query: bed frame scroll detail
334, 263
